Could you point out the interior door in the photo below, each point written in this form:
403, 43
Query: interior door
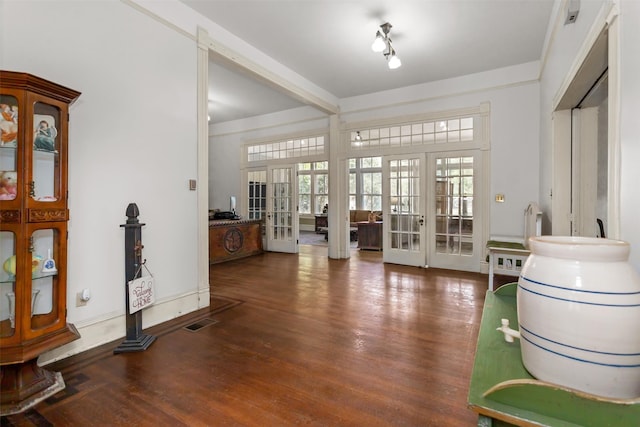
404, 229
282, 212
455, 214
589, 160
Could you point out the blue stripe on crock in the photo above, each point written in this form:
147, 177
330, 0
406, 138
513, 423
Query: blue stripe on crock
579, 290
577, 302
522, 328
578, 359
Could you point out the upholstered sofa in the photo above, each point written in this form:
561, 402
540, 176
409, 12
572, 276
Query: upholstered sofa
359, 215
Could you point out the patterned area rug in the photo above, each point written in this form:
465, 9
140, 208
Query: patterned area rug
312, 238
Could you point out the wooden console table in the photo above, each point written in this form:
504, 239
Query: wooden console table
502, 390
233, 239
370, 235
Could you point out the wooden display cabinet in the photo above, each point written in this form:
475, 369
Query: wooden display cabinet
33, 235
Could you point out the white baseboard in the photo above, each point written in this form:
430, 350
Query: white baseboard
102, 331
484, 267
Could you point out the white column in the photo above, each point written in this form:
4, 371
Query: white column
203, 169
338, 217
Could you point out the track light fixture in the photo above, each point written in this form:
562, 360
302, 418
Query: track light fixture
382, 43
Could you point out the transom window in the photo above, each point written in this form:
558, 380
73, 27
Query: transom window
288, 149
421, 133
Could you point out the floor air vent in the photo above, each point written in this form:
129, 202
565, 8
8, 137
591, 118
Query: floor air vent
200, 324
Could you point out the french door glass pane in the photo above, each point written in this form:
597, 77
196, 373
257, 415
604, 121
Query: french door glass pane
454, 205
282, 204
257, 194
405, 198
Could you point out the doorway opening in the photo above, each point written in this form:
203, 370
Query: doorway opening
585, 147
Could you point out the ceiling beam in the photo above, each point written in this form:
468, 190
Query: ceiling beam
229, 56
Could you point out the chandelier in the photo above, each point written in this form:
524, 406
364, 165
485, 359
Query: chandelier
382, 43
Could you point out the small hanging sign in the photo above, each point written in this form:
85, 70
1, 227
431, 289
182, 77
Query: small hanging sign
141, 292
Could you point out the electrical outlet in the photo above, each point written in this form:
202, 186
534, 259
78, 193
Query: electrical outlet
500, 198
79, 301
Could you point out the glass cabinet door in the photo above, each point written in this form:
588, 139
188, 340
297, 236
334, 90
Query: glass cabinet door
7, 284
47, 293
9, 137
46, 174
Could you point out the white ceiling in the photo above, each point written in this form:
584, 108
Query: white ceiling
329, 43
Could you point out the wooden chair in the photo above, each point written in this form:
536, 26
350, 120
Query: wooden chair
507, 257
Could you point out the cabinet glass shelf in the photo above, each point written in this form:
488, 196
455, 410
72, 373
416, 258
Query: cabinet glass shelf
35, 276
39, 150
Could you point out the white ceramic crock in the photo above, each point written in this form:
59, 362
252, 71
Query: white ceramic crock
578, 304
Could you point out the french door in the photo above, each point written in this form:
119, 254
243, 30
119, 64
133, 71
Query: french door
282, 212
432, 209
455, 213
404, 206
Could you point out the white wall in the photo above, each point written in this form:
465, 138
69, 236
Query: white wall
513, 93
564, 43
187, 19
564, 47
132, 138
629, 130
226, 141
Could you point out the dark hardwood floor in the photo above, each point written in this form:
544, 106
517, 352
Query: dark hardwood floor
291, 340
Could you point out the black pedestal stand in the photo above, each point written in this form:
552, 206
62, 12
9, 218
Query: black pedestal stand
135, 339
